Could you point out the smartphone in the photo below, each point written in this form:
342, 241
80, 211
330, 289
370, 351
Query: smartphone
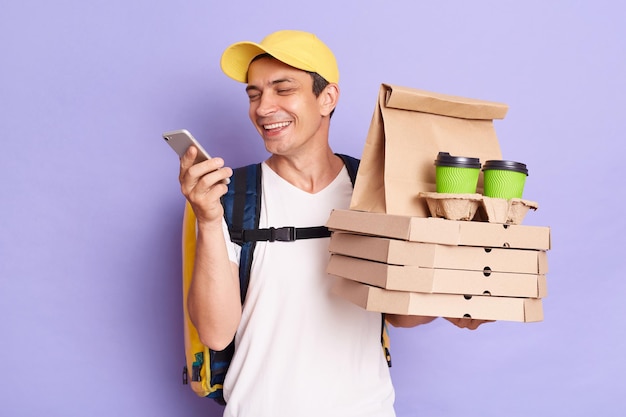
181, 140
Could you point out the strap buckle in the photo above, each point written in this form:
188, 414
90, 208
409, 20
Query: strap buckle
282, 234
237, 236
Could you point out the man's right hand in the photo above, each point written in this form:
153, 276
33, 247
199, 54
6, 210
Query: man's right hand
203, 184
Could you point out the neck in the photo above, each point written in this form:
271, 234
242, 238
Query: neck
311, 172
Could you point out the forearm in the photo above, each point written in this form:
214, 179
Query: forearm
411, 321
397, 320
213, 299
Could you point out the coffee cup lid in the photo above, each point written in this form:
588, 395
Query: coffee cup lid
506, 166
444, 159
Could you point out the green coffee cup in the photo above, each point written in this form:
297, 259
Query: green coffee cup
504, 179
456, 174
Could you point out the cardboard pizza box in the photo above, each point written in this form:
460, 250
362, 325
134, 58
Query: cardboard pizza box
413, 278
479, 307
432, 255
441, 231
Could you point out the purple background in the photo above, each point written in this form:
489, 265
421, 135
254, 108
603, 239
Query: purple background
90, 292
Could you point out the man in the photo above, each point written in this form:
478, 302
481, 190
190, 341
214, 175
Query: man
299, 350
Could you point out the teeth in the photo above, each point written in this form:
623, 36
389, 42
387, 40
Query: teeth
276, 125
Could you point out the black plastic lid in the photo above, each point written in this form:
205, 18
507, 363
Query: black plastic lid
444, 159
506, 166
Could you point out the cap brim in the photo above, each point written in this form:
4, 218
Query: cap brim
237, 57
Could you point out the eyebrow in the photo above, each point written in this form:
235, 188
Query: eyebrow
273, 83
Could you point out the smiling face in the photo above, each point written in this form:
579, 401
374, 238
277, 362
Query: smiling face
283, 108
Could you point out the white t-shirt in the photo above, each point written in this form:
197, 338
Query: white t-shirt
300, 351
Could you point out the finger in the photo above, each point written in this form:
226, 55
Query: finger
189, 156
204, 167
214, 179
186, 161
208, 171
465, 322
455, 320
481, 322
205, 199
472, 324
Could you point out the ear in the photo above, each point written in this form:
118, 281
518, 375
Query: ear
328, 99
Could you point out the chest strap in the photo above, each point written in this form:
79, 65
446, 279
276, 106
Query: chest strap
279, 234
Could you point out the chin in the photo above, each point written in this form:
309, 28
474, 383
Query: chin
276, 147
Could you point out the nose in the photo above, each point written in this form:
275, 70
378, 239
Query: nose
266, 105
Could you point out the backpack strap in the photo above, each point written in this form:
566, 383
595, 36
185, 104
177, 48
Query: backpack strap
242, 210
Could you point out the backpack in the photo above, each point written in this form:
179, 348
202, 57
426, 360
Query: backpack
242, 206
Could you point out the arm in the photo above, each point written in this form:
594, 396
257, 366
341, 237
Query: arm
411, 321
213, 299
397, 320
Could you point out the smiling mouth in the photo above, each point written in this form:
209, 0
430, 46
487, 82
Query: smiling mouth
276, 125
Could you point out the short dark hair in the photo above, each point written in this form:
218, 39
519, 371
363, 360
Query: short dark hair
319, 82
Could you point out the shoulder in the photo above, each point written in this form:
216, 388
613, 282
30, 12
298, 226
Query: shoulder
352, 165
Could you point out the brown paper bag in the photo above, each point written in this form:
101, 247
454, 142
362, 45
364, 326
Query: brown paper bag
409, 127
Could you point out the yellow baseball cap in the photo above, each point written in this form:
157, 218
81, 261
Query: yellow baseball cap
298, 49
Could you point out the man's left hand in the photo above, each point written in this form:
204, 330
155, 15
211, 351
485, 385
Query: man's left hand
467, 323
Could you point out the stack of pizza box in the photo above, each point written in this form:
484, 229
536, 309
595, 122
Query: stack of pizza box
439, 267
436, 255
